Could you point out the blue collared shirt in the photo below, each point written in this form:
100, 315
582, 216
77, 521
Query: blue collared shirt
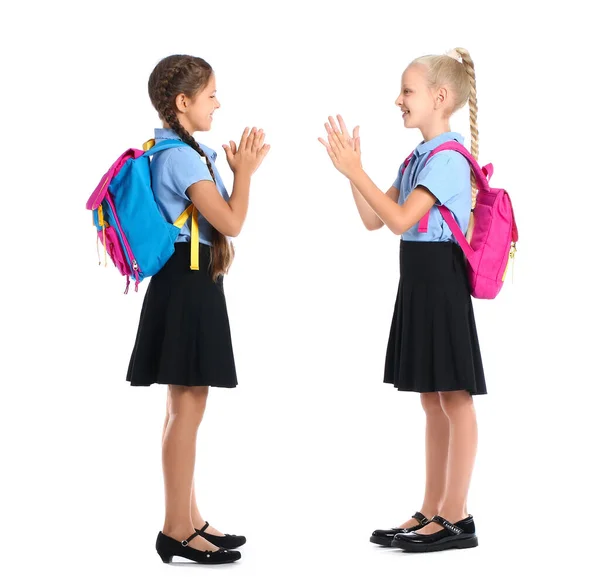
173, 171
448, 177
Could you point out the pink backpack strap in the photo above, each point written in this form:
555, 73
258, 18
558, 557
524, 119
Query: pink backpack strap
458, 235
424, 222
406, 163
482, 176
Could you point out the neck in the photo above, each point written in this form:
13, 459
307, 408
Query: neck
183, 121
435, 129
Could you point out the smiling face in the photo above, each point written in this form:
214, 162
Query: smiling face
196, 113
422, 106
415, 99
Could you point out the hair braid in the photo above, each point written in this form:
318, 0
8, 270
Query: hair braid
473, 110
172, 76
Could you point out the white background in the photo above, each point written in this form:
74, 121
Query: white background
312, 451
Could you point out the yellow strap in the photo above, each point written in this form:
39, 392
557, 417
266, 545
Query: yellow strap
195, 246
104, 243
194, 241
148, 145
182, 218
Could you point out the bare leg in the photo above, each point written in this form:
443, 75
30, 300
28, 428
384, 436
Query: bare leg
185, 410
197, 519
436, 452
460, 410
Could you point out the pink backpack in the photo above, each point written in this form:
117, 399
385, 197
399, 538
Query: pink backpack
495, 235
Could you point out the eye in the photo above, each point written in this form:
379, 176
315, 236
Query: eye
406, 91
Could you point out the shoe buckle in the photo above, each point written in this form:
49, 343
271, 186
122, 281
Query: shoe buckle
184, 543
452, 528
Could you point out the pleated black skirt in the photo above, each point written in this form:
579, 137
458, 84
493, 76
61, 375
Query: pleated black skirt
433, 343
184, 336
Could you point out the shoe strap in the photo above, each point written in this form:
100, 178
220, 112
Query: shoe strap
447, 525
201, 531
185, 542
420, 518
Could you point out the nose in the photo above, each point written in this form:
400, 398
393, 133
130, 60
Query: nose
399, 100
218, 104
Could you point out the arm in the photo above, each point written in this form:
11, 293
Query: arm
398, 218
227, 217
367, 215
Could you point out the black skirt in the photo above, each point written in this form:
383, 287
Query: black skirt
433, 343
184, 336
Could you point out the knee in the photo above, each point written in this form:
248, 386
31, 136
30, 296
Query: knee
455, 402
190, 401
431, 404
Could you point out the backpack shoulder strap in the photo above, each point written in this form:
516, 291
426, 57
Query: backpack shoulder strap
164, 145
406, 163
482, 175
458, 234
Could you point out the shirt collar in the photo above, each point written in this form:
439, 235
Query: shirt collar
428, 146
167, 133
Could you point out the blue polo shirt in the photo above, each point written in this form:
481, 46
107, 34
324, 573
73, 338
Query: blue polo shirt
448, 177
173, 171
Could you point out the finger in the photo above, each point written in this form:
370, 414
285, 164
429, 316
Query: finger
357, 144
244, 138
251, 137
334, 143
355, 132
261, 140
336, 130
257, 138
333, 123
343, 126
328, 128
233, 146
337, 137
264, 150
330, 151
228, 152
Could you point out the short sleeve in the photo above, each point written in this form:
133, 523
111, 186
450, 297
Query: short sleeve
398, 180
446, 176
186, 167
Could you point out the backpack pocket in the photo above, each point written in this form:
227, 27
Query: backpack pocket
110, 239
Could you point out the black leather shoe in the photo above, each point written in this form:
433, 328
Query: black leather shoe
228, 541
459, 535
167, 548
385, 536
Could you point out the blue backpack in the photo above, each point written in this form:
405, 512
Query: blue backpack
128, 221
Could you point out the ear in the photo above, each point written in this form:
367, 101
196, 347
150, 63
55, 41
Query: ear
182, 103
441, 97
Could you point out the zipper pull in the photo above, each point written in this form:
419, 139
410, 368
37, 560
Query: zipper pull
511, 255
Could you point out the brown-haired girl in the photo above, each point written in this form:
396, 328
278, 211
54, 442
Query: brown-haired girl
184, 338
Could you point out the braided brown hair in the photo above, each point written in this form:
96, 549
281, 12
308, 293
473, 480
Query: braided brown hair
189, 75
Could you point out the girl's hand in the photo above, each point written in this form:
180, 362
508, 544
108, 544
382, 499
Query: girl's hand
343, 150
248, 156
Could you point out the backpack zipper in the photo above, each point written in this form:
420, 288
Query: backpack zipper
511, 258
134, 264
